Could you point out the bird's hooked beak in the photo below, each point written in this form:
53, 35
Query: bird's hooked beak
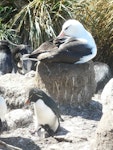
61, 34
27, 102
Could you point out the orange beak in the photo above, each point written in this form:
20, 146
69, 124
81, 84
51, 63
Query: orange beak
62, 34
27, 102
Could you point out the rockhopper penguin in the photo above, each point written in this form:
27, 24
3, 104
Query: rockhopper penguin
46, 111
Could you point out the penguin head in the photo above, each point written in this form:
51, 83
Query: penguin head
35, 94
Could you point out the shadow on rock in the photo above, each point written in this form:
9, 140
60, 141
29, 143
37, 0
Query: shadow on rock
24, 143
62, 131
92, 111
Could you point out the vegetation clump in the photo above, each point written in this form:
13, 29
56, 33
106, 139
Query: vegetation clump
35, 21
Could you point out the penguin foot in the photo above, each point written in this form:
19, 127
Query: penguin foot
44, 131
48, 129
32, 132
41, 133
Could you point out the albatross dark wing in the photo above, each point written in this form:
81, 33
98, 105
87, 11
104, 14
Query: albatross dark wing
47, 47
69, 52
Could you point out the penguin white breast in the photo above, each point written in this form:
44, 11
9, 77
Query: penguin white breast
3, 108
45, 115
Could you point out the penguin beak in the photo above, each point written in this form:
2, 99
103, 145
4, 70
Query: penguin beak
27, 102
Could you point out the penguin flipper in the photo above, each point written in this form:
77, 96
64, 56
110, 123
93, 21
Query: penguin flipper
61, 119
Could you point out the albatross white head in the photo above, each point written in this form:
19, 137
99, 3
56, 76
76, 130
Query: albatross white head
73, 28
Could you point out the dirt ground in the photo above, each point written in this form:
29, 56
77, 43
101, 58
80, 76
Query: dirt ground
75, 133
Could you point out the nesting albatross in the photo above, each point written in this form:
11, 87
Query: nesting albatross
73, 45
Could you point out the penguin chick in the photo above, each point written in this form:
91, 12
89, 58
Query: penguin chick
3, 111
47, 129
46, 110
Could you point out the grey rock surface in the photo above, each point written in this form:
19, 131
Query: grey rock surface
13, 87
19, 117
103, 138
75, 133
67, 83
102, 75
107, 97
104, 134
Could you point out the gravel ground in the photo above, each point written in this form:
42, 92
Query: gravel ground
75, 133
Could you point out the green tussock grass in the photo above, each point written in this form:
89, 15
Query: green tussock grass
40, 20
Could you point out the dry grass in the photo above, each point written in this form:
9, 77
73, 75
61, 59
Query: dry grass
40, 20
97, 16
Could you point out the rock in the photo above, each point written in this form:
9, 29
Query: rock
67, 83
19, 118
75, 132
102, 75
107, 97
30, 74
104, 133
3, 108
13, 87
5, 146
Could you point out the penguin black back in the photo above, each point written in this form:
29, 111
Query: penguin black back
6, 64
36, 94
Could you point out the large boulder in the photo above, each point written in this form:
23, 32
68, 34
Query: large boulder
107, 97
102, 75
104, 134
67, 83
14, 87
23, 117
